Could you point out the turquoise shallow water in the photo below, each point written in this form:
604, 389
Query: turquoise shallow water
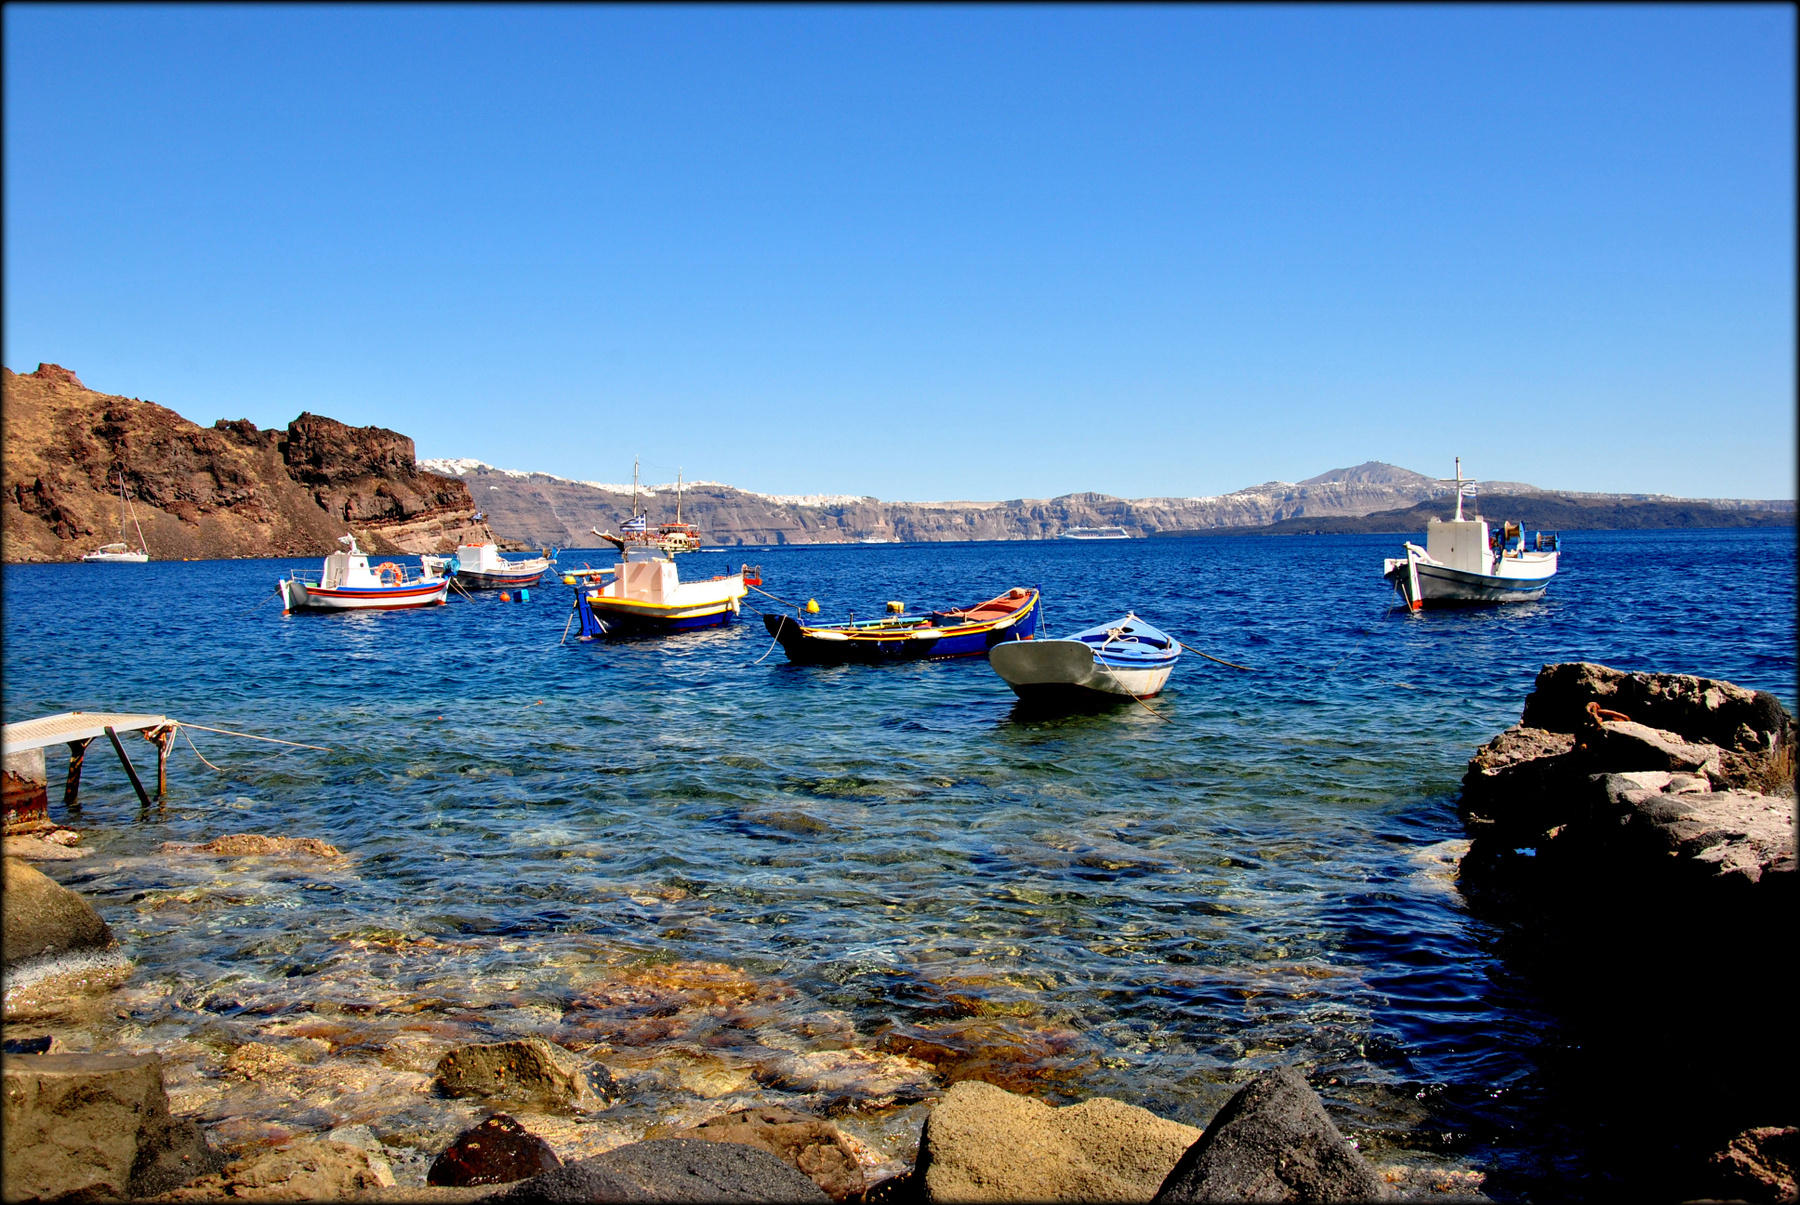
895, 859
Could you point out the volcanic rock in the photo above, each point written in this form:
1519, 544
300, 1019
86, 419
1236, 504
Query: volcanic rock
813, 1147
1272, 1142
498, 1151
94, 1125
676, 1169
42, 918
251, 845
1761, 1164
982, 1143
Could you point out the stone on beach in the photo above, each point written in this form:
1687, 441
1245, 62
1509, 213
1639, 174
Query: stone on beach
34, 848
95, 1126
528, 1070
498, 1151
42, 918
1761, 1164
983, 1143
303, 1170
812, 1146
1272, 1142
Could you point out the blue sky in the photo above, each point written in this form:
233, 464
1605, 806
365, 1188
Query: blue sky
928, 253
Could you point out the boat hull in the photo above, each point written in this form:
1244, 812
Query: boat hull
470, 580
116, 558
1044, 670
303, 596
1441, 586
618, 617
875, 645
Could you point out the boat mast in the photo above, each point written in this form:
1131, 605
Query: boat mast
634, 476
1459, 517
126, 500
678, 496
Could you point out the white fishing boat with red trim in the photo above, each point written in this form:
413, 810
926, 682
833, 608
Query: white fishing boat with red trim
481, 567
347, 582
1465, 563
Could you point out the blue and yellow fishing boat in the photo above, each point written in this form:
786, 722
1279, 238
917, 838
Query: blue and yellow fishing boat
962, 632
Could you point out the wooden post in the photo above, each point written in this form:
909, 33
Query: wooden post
72, 784
129, 771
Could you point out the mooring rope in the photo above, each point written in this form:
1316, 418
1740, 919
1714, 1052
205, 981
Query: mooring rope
259, 602
249, 736
1113, 634
784, 602
773, 641
1210, 657
196, 749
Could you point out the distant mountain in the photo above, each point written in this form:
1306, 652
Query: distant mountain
1539, 511
541, 509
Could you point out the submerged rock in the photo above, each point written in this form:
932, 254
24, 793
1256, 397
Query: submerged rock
1272, 1142
94, 1126
1760, 1164
529, 1070
253, 845
982, 1143
498, 1151
42, 918
811, 1146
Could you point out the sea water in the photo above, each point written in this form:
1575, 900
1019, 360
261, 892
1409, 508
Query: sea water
733, 879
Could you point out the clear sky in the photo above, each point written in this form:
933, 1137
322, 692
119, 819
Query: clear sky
924, 253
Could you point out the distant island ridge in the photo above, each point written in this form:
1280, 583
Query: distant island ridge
231, 490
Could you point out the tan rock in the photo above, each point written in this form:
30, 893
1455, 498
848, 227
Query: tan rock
41, 849
808, 1144
983, 1143
253, 845
43, 918
304, 1170
258, 1060
528, 1070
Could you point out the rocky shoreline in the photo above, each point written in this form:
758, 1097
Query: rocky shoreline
1633, 835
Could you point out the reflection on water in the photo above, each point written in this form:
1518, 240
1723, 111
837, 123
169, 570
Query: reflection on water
848, 886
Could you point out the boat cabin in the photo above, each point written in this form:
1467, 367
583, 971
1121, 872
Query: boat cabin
1458, 544
480, 558
645, 573
348, 569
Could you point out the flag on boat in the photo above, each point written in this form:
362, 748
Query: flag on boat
634, 525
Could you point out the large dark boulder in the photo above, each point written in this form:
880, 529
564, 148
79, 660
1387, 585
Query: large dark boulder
1272, 1142
498, 1151
1700, 709
670, 1169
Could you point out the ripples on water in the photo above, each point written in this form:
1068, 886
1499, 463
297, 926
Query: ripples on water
883, 859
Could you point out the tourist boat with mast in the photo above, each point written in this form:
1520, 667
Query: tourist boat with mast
345, 582
1126, 658
121, 553
671, 538
1465, 563
958, 632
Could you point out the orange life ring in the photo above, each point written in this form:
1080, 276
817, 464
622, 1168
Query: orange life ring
382, 570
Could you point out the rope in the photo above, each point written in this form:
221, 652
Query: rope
196, 749
1210, 657
1113, 634
249, 737
458, 588
773, 641
259, 602
570, 623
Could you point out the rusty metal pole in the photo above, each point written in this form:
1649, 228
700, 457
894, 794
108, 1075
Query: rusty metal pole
72, 784
130, 771
165, 739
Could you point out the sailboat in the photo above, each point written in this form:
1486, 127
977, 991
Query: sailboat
670, 537
120, 552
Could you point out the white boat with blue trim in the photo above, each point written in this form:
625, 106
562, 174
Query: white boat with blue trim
1466, 563
1126, 657
346, 582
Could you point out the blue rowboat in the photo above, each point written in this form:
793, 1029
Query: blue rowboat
963, 632
1126, 657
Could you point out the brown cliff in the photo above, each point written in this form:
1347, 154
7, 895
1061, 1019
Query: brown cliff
225, 491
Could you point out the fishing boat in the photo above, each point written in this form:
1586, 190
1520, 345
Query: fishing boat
645, 593
1127, 657
962, 632
1464, 562
346, 582
481, 567
121, 553
1094, 533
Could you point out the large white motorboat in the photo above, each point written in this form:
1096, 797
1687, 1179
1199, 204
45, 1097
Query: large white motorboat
1464, 562
121, 553
345, 582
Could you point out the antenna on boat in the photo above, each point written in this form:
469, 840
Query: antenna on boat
1459, 517
1465, 488
677, 494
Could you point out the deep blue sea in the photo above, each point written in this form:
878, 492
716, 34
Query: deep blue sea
1145, 906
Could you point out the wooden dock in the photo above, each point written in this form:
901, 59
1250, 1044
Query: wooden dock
27, 790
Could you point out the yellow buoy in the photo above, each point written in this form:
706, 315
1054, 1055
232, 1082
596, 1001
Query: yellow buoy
896, 607
568, 579
812, 606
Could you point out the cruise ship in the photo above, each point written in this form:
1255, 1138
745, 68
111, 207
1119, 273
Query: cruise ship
1094, 533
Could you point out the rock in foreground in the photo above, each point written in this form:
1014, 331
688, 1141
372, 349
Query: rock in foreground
669, 1169
1272, 1142
983, 1143
528, 1070
812, 1147
92, 1125
498, 1151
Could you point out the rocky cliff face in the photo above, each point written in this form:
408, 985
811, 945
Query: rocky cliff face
225, 491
